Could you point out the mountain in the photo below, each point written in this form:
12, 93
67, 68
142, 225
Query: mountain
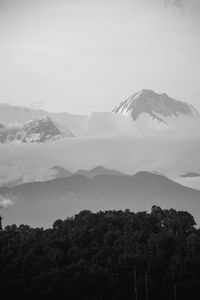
3, 133
60, 172
18, 115
99, 170
38, 130
146, 105
156, 105
143, 111
39, 204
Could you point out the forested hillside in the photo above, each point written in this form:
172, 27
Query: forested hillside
104, 255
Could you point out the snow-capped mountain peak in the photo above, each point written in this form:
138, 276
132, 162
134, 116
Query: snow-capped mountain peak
157, 106
38, 130
143, 112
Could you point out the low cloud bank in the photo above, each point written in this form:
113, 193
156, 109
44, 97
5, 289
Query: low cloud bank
169, 154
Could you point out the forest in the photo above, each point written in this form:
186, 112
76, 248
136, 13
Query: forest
104, 255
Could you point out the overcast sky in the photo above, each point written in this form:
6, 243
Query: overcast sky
83, 56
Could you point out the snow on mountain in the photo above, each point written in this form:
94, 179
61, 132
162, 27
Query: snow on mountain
149, 109
77, 124
147, 101
143, 112
38, 130
12, 115
18, 115
96, 123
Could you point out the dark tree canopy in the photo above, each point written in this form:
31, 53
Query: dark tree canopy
93, 256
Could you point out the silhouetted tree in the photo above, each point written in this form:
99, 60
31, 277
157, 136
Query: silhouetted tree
93, 256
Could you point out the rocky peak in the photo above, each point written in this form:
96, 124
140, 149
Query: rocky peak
156, 105
38, 130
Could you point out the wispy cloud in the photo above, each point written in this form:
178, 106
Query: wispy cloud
163, 153
5, 202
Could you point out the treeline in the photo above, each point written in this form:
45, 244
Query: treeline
104, 255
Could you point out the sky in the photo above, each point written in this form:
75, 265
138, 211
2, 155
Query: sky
81, 56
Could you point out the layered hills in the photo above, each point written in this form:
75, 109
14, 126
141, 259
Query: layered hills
40, 203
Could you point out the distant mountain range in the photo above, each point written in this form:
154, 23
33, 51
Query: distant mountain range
30, 125
144, 111
58, 172
99, 170
89, 137
39, 204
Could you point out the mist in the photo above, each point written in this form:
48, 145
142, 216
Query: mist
165, 153
5, 202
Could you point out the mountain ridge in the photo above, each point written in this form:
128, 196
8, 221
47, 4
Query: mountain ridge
38, 130
154, 104
42, 202
98, 170
144, 111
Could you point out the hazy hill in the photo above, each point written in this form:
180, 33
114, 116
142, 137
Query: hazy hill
39, 204
99, 170
61, 172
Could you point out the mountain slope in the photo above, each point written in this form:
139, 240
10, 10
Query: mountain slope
147, 101
39, 204
38, 130
18, 115
144, 111
159, 108
190, 179
99, 170
60, 172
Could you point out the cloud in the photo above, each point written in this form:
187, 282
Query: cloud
37, 104
166, 153
5, 202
